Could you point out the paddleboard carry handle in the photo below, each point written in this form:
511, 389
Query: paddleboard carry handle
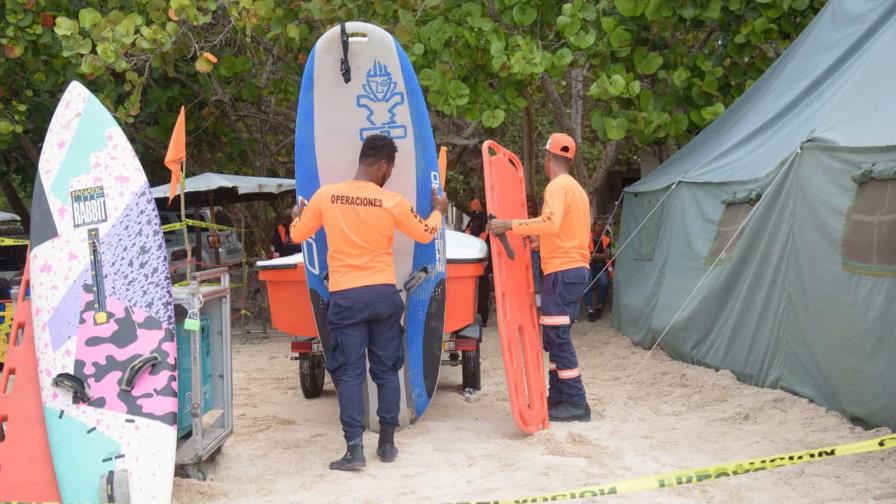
416, 279
100, 315
73, 384
134, 370
504, 241
344, 66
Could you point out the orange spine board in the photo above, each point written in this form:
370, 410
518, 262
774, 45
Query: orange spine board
26, 467
521, 346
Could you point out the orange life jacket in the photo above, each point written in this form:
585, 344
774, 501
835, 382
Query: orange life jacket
605, 241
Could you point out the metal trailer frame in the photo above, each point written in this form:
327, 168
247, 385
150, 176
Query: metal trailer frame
207, 437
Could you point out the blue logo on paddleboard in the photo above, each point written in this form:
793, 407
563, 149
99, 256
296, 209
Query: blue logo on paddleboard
380, 100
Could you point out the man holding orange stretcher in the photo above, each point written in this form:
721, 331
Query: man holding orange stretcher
563, 229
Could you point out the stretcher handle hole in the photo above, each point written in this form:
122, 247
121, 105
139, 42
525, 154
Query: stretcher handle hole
3, 428
358, 37
513, 162
10, 380
19, 331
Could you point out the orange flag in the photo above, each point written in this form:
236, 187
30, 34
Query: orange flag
443, 165
177, 152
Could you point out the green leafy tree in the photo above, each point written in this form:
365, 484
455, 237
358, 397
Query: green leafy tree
622, 76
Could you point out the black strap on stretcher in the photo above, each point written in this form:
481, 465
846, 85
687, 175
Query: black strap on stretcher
504, 241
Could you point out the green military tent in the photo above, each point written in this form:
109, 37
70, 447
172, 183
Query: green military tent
767, 245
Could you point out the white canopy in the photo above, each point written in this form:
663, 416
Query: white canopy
243, 186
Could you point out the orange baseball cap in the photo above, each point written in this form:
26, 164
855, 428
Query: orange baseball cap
561, 144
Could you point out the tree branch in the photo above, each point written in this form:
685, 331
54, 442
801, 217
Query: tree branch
611, 154
557, 105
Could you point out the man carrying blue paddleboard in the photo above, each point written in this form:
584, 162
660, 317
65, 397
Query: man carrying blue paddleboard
563, 231
365, 309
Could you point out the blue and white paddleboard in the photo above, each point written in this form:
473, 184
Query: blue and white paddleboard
358, 81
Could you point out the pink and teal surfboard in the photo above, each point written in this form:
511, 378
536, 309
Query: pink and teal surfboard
103, 312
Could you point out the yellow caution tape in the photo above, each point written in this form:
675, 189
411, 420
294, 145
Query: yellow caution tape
195, 223
699, 475
8, 242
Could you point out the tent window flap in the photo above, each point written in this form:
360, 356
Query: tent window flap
729, 230
869, 238
644, 241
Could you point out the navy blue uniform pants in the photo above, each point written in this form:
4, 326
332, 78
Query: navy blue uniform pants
560, 294
365, 322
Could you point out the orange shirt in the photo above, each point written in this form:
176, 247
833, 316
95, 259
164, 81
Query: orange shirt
564, 226
360, 219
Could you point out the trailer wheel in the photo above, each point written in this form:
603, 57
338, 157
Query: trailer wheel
470, 369
311, 375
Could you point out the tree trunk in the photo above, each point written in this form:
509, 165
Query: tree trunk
576, 107
564, 117
577, 101
611, 153
15, 201
528, 147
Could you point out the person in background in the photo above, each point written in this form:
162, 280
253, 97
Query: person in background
365, 309
281, 242
600, 274
563, 230
476, 226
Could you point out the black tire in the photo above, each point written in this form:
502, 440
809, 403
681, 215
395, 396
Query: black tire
470, 369
311, 375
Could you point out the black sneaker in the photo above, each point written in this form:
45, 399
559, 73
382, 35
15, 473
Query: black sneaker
566, 412
353, 460
598, 313
591, 316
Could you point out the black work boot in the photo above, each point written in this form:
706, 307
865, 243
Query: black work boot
353, 460
591, 317
567, 412
598, 313
386, 449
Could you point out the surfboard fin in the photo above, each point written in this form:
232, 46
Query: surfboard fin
114, 488
134, 370
75, 385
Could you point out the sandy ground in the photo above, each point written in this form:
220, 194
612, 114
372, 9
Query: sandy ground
676, 416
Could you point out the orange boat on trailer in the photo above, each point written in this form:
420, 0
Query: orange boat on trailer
521, 345
291, 311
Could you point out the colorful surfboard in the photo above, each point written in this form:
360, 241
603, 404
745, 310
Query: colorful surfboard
521, 349
103, 312
26, 469
358, 82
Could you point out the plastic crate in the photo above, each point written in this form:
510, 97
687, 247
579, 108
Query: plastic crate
185, 374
